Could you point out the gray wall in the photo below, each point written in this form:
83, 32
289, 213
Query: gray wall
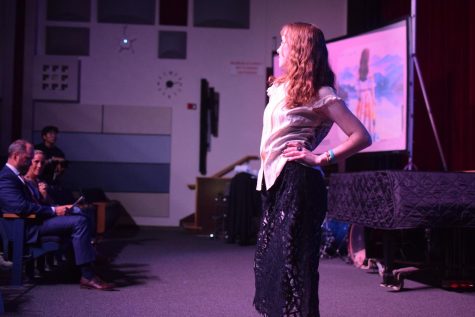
125, 84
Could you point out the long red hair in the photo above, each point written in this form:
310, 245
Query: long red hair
307, 66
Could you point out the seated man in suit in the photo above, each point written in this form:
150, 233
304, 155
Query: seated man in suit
16, 197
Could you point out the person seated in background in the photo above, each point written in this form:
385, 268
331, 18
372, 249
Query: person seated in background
16, 197
33, 178
54, 194
55, 160
39, 191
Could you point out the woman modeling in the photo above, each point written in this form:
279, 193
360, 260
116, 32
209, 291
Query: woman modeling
301, 110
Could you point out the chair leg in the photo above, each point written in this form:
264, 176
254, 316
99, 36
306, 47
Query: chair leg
30, 270
2, 308
17, 254
50, 261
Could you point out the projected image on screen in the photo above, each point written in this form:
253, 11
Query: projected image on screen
371, 76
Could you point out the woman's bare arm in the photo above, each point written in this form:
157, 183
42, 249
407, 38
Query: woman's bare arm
358, 137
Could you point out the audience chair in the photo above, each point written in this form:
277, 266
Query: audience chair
14, 226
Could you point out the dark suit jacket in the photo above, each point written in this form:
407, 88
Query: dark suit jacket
16, 198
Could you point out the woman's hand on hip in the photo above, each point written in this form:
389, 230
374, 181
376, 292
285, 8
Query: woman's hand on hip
295, 151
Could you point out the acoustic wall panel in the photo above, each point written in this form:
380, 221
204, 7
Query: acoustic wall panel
123, 148
126, 11
173, 12
144, 204
137, 120
119, 177
56, 78
70, 10
68, 117
221, 14
67, 41
172, 44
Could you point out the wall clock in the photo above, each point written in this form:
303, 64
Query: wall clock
169, 83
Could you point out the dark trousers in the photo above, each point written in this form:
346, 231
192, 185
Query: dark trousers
77, 229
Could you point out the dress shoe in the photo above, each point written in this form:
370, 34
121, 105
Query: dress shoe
96, 283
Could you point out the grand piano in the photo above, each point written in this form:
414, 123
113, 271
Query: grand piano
392, 201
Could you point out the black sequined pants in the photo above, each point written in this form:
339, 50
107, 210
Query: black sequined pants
288, 246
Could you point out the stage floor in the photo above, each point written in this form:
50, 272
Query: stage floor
168, 272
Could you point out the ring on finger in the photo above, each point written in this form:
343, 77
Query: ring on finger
299, 148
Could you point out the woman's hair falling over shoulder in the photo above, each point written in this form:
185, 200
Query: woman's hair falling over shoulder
307, 66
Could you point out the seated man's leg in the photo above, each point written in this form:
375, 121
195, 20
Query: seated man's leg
78, 229
89, 212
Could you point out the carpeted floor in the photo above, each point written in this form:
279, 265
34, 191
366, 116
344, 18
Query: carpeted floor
168, 272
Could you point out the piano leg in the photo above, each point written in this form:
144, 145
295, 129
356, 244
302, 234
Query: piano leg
393, 278
388, 258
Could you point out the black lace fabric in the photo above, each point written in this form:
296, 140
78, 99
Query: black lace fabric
287, 254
